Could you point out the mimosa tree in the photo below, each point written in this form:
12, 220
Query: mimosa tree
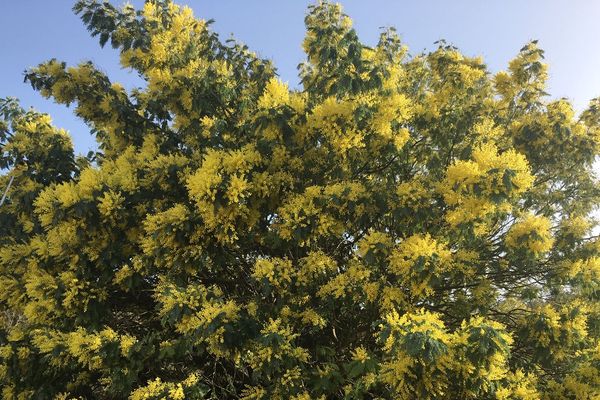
396, 227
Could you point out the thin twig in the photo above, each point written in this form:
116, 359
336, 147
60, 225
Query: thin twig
7, 188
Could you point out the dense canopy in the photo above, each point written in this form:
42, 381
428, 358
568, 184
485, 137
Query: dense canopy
397, 227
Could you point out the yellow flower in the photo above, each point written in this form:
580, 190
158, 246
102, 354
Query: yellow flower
360, 354
531, 233
276, 94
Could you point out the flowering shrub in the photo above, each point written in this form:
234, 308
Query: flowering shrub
395, 228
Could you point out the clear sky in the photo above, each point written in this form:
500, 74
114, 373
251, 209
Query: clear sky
32, 31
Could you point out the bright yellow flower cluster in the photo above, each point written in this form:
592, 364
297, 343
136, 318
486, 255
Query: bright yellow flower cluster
417, 260
531, 233
158, 389
519, 386
487, 183
81, 346
424, 358
582, 383
350, 281
330, 118
554, 329
159, 229
587, 272
303, 212
314, 266
192, 309
276, 94
261, 355
224, 178
393, 109
399, 371
278, 272
390, 113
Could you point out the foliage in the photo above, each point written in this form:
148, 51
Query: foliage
399, 227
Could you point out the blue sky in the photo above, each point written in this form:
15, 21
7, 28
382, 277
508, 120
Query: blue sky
32, 31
